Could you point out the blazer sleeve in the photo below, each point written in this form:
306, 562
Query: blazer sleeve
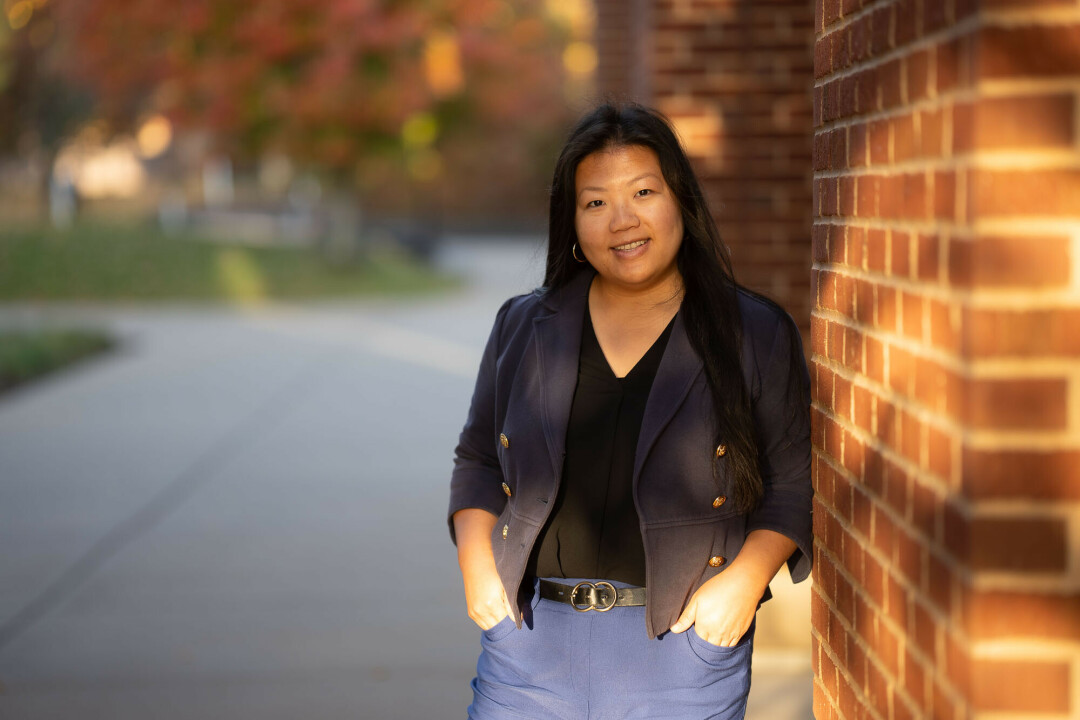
782, 417
476, 481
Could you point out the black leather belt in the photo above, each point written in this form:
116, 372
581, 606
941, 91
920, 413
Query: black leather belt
600, 596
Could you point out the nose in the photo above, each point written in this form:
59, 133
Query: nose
623, 217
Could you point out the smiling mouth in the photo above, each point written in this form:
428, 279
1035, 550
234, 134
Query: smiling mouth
631, 245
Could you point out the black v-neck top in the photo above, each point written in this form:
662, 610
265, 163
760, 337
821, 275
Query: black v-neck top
593, 529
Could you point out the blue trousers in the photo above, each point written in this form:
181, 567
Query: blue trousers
575, 665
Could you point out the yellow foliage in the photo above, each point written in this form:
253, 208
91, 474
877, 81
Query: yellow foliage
239, 277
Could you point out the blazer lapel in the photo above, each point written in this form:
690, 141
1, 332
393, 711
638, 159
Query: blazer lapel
678, 369
558, 344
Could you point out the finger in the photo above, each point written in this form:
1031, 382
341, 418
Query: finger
723, 638
713, 638
685, 620
490, 621
488, 616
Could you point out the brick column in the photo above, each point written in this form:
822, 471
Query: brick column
735, 77
945, 334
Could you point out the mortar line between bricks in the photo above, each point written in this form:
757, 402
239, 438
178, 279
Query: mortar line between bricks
927, 289
1011, 442
1020, 226
1025, 649
1013, 715
1023, 508
1015, 440
990, 581
984, 90
1074, 270
972, 369
872, 223
1010, 18
1041, 159
1076, 146
999, 581
166, 500
995, 89
1034, 368
1074, 683
845, 21
944, 101
1072, 407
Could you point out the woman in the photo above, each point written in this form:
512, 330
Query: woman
635, 466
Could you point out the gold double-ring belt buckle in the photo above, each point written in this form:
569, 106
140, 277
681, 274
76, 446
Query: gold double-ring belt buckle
592, 606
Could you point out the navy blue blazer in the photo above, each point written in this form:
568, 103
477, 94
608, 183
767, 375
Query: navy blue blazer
509, 459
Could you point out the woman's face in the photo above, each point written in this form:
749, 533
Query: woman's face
627, 219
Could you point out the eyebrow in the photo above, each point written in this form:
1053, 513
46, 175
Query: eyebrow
642, 176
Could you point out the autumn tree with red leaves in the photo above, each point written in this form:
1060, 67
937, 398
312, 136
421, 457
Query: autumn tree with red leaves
370, 92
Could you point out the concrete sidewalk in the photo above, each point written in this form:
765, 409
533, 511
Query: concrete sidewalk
215, 520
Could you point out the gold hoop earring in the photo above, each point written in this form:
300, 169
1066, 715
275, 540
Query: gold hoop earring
573, 251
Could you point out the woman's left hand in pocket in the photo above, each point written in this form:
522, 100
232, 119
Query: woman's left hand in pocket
722, 609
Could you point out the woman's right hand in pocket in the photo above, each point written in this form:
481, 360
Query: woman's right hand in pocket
485, 597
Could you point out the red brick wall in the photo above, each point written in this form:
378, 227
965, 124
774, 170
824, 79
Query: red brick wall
945, 336
622, 38
735, 77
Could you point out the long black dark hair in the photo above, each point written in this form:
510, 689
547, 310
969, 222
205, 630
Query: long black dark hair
710, 301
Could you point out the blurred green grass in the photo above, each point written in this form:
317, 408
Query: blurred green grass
25, 355
93, 261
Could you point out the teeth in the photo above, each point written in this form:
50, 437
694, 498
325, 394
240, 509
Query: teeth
631, 246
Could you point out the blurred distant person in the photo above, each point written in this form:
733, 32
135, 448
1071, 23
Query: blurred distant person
635, 467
